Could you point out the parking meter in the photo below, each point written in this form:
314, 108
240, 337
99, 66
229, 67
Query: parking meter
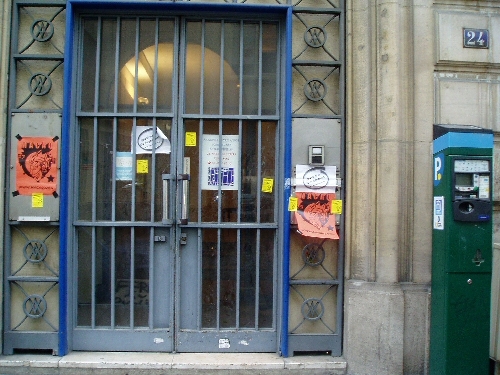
461, 250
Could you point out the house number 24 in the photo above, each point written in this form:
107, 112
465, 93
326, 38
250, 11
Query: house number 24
476, 38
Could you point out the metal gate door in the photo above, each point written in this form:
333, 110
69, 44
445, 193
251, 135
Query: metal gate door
177, 211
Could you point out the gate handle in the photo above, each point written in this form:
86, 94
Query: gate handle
165, 212
185, 198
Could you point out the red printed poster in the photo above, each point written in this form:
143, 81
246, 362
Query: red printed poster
313, 215
36, 167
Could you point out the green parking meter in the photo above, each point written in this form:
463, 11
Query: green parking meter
461, 250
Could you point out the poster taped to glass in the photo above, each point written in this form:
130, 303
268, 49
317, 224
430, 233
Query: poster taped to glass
220, 168
146, 140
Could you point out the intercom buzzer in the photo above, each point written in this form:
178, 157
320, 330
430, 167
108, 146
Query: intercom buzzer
316, 155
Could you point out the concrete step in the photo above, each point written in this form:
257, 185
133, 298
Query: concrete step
103, 363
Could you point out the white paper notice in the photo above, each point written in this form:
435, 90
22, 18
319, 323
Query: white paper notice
123, 166
220, 168
439, 213
315, 179
144, 141
484, 187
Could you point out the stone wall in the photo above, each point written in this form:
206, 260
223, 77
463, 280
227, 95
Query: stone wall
407, 69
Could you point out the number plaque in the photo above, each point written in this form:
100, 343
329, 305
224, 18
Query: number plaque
476, 38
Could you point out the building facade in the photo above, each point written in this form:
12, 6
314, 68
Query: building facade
247, 176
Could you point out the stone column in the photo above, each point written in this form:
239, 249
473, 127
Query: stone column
388, 184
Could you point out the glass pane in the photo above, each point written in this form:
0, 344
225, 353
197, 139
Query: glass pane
313, 260
268, 160
103, 276
84, 317
124, 180
165, 66
143, 177
146, 65
193, 68
162, 167
141, 275
211, 68
251, 68
231, 67
107, 66
85, 177
122, 271
209, 198
248, 274
104, 184
128, 65
249, 171
88, 63
210, 254
230, 164
228, 274
269, 68
316, 302
266, 284
193, 154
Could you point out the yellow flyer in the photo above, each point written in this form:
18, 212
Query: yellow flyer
190, 139
142, 166
337, 207
37, 200
267, 185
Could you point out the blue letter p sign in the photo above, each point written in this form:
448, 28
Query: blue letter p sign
438, 168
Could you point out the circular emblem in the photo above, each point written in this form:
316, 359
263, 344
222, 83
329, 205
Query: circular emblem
39, 84
312, 309
316, 178
42, 30
34, 306
145, 140
315, 36
35, 251
313, 254
315, 90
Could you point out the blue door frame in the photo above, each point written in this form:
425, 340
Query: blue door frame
73, 7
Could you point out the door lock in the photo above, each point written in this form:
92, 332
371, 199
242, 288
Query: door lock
183, 239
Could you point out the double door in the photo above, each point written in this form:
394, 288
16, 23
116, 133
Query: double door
176, 173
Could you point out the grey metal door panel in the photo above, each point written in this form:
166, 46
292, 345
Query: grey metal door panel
226, 341
188, 279
123, 340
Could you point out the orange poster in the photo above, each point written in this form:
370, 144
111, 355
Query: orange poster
313, 215
36, 167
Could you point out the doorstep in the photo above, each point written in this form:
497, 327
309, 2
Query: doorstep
107, 363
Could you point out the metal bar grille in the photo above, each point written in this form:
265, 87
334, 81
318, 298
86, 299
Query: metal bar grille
134, 251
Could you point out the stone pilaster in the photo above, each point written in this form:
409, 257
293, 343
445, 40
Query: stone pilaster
388, 241
361, 141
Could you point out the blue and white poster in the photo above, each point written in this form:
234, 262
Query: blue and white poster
220, 162
123, 166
